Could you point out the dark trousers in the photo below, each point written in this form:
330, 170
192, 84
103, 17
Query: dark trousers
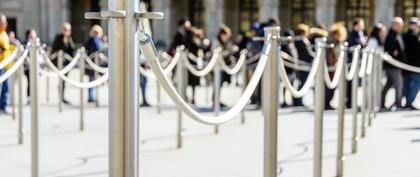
394, 80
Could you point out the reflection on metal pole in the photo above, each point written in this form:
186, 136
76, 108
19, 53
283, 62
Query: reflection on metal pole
20, 105
270, 104
341, 109
181, 76
354, 108
60, 59
319, 112
82, 74
244, 84
96, 75
217, 86
34, 108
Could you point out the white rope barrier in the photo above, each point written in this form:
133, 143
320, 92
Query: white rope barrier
201, 73
331, 84
9, 58
355, 61
211, 120
94, 66
363, 65
253, 59
174, 61
63, 71
91, 84
399, 64
19, 62
234, 70
369, 66
309, 81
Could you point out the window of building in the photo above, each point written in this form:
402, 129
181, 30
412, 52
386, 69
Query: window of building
348, 10
293, 12
196, 12
303, 12
248, 13
407, 8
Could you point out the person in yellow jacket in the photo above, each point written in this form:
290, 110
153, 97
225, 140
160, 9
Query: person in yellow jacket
5, 49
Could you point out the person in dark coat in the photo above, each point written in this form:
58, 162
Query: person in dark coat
93, 45
64, 42
412, 48
394, 46
355, 37
303, 48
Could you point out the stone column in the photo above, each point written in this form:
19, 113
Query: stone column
214, 17
162, 28
325, 12
384, 11
268, 9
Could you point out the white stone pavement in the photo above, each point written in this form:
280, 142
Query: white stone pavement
391, 148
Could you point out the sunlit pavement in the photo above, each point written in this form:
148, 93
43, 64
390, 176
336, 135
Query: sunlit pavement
391, 148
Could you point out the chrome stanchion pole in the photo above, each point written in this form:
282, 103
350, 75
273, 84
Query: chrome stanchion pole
124, 83
319, 111
217, 87
369, 94
96, 75
244, 84
181, 76
60, 59
354, 108
364, 105
20, 105
270, 103
82, 74
12, 96
34, 108
341, 109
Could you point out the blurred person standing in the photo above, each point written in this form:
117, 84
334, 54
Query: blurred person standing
304, 50
355, 37
337, 35
223, 41
412, 43
394, 46
5, 49
93, 45
64, 42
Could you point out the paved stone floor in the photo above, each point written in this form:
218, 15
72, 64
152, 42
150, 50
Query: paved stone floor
391, 148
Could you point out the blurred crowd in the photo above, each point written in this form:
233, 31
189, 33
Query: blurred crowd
63, 41
399, 41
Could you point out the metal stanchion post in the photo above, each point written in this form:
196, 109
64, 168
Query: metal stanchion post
354, 108
12, 96
244, 84
20, 105
270, 103
96, 74
217, 86
124, 39
181, 76
364, 93
319, 112
34, 108
341, 109
369, 96
60, 59
82, 74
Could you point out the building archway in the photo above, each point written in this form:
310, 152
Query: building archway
348, 10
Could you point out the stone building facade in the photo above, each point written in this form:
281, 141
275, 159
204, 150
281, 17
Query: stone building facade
46, 16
